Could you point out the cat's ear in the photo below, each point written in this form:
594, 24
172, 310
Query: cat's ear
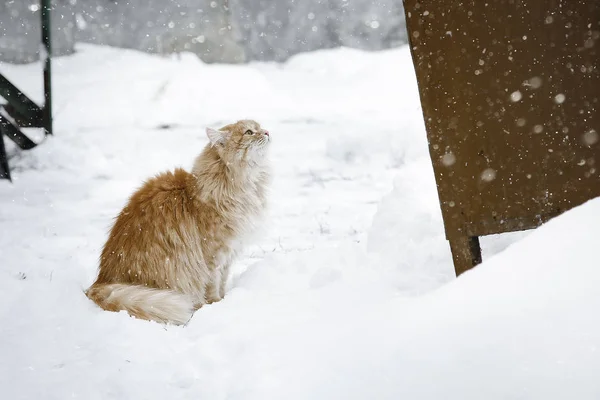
216, 137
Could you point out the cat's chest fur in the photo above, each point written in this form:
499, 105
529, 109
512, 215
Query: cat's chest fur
241, 212
236, 207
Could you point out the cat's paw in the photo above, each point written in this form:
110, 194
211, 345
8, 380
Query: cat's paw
213, 299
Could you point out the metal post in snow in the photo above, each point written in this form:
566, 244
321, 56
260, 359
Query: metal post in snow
47, 60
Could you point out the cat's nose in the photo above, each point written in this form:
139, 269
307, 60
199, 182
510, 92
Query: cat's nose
266, 133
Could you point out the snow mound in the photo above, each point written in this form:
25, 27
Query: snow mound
408, 230
519, 326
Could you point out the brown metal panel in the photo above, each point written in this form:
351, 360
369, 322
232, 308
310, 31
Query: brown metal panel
510, 95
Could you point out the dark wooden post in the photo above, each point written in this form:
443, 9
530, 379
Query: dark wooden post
510, 92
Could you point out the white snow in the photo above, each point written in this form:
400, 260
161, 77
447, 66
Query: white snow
349, 294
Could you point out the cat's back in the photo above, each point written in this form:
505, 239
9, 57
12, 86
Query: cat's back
161, 202
154, 224
164, 187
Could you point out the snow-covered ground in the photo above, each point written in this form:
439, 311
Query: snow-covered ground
348, 294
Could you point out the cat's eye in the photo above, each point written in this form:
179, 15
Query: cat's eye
249, 132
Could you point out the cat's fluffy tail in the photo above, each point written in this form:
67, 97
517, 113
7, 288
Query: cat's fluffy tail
164, 306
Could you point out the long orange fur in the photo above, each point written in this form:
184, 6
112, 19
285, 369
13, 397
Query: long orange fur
171, 247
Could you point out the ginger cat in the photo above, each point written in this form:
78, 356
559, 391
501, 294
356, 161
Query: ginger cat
171, 247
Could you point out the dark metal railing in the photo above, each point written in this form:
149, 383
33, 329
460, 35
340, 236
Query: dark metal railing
21, 112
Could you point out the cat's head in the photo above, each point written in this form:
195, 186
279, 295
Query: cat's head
243, 141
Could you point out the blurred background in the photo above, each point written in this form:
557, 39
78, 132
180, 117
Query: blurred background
225, 31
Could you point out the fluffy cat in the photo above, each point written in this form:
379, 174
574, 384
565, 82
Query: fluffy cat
171, 247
